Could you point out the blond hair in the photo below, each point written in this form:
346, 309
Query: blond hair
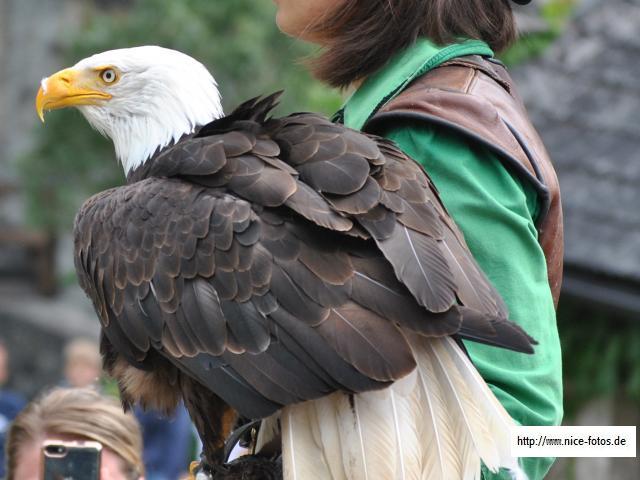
79, 412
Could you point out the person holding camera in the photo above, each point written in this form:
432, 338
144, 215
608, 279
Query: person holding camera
10, 402
69, 416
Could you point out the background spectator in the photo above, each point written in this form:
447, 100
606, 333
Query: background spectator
10, 403
75, 414
82, 363
168, 442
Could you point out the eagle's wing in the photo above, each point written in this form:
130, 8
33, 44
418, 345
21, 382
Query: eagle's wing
276, 261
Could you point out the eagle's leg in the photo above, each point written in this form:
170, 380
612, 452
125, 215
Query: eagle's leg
214, 419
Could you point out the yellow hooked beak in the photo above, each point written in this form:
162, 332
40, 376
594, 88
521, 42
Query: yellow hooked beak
69, 88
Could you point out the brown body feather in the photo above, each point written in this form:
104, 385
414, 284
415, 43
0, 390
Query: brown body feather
252, 266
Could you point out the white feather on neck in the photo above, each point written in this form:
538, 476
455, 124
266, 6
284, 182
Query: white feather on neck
161, 96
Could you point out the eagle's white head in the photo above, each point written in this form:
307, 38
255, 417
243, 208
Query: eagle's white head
143, 98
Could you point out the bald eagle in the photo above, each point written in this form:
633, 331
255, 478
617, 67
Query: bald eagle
287, 269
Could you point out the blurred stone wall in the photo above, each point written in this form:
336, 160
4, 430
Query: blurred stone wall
35, 329
30, 35
35, 355
30, 32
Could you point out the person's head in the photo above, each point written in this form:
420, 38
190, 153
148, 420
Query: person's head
360, 36
4, 363
75, 414
82, 364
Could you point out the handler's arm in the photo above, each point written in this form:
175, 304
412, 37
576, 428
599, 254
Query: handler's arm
495, 212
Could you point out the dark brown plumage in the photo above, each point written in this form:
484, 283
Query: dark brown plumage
264, 262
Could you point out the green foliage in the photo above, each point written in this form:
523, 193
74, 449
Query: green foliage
238, 41
528, 47
555, 14
601, 354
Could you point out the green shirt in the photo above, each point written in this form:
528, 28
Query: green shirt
496, 213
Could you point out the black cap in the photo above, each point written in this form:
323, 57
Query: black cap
522, 2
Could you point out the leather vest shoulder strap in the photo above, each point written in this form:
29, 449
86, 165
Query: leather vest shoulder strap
475, 97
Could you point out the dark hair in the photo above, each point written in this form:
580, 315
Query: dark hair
364, 34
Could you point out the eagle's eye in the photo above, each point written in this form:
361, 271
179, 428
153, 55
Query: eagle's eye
108, 75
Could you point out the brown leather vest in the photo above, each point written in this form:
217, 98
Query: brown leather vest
475, 97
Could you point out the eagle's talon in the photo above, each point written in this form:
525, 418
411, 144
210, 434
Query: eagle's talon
248, 467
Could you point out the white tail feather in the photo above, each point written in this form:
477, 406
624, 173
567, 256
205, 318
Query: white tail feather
327, 422
407, 413
268, 431
441, 452
437, 423
471, 418
499, 421
371, 411
301, 453
355, 458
